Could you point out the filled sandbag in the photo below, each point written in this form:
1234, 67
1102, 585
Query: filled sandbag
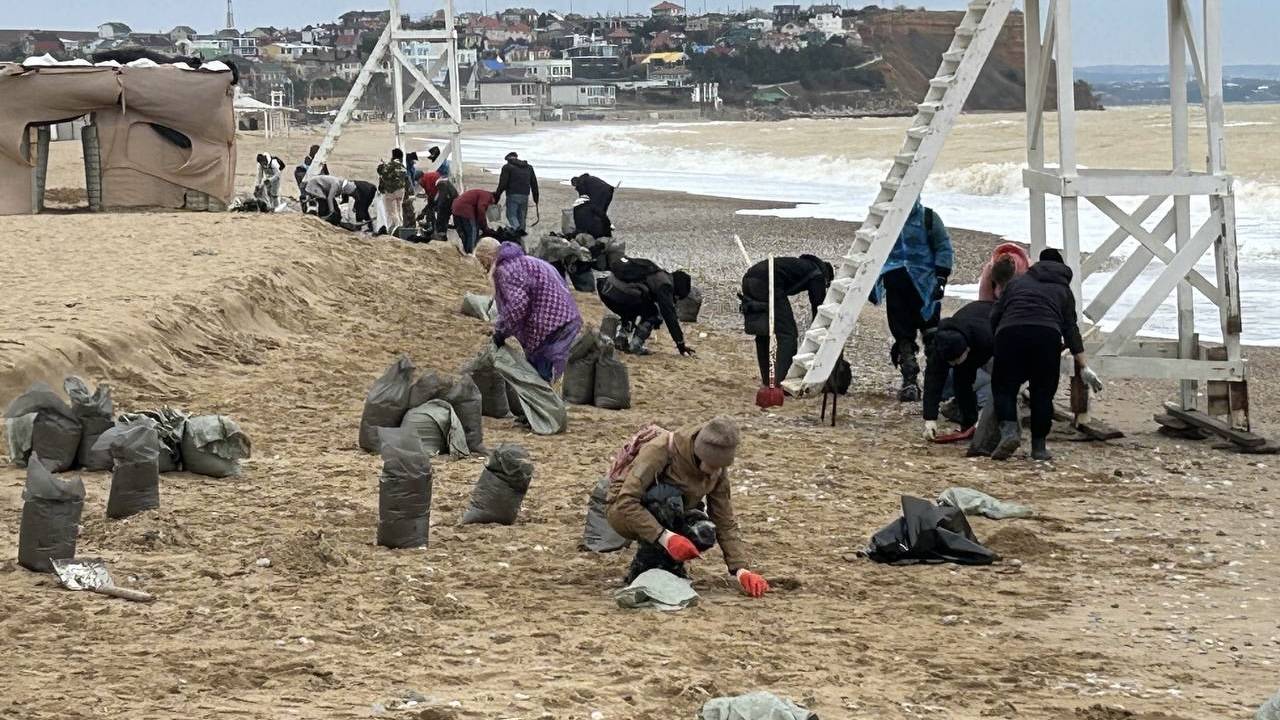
479, 306
497, 495
135, 479
540, 405
96, 416
386, 403
579, 387
598, 535
462, 394
609, 326
170, 426
560, 251
689, 307
613, 383
430, 386
438, 428
404, 490
493, 389
17, 438
214, 445
50, 522
582, 277
55, 431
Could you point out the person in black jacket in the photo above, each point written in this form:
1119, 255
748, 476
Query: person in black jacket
589, 219
644, 296
792, 276
599, 191
519, 182
962, 345
1032, 320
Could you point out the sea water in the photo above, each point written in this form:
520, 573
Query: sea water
831, 169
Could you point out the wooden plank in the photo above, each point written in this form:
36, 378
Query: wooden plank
1093, 428
1123, 278
1180, 123
1198, 419
1099, 257
1035, 97
1119, 183
1162, 369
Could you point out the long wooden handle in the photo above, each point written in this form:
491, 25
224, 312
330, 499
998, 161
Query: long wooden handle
125, 593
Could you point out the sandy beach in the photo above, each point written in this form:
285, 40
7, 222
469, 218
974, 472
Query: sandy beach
1143, 588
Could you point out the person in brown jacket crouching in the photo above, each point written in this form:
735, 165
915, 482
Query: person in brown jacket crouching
674, 501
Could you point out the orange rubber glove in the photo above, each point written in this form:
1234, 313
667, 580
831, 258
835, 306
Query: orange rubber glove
678, 547
752, 584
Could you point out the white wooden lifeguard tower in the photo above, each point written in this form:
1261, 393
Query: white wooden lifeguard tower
1121, 353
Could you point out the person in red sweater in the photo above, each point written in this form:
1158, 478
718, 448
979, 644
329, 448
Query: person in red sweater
469, 216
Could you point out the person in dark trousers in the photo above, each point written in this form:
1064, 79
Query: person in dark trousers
911, 284
793, 276
363, 196
589, 219
1034, 317
300, 170
962, 346
446, 193
598, 191
644, 296
469, 216
519, 182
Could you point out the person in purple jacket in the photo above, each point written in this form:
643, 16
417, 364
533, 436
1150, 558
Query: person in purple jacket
534, 306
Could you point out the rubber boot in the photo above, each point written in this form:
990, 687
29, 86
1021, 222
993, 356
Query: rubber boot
1039, 451
639, 337
910, 368
1010, 439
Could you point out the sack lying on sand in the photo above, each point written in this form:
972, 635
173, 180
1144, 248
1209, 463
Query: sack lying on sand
972, 502
94, 412
539, 404
404, 490
493, 389
657, 590
928, 533
170, 425
754, 706
478, 306
438, 428
689, 307
498, 493
55, 431
386, 403
214, 445
560, 250
598, 535
135, 481
579, 386
50, 518
613, 383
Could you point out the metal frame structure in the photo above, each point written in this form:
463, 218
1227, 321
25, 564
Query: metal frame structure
388, 51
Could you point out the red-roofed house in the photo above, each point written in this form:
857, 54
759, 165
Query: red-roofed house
667, 9
620, 36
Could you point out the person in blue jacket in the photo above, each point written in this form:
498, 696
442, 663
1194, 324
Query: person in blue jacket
911, 284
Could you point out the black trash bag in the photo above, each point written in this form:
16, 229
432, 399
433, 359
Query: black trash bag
665, 502
498, 493
689, 307
928, 533
582, 277
404, 490
598, 535
580, 373
171, 426
95, 414
493, 389
135, 481
55, 430
214, 445
613, 383
51, 509
386, 403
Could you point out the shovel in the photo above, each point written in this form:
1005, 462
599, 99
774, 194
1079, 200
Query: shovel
767, 397
91, 574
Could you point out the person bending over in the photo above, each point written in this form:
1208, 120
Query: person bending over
962, 348
469, 216
644, 296
793, 276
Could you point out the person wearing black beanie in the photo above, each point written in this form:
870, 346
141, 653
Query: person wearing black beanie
962, 345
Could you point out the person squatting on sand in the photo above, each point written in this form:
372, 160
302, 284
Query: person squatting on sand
330, 191
962, 348
470, 211
519, 182
1034, 317
644, 296
267, 187
912, 283
674, 500
534, 306
792, 276
589, 219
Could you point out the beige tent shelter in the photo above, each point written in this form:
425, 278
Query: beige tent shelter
158, 135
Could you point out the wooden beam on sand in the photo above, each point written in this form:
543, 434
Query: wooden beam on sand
1200, 420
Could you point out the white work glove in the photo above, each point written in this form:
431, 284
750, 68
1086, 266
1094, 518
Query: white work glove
1091, 379
930, 430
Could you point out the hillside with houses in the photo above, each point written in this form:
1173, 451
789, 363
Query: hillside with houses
787, 60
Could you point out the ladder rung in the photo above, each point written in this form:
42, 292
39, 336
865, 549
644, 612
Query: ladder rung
929, 108
866, 235
816, 334
943, 81
891, 184
804, 360
842, 285
829, 310
881, 208
979, 5
954, 56
966, 30
919, 132
904, 158
856, 258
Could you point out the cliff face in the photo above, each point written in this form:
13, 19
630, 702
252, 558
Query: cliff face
912, 43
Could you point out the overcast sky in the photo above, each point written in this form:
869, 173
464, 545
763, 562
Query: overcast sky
1123, 32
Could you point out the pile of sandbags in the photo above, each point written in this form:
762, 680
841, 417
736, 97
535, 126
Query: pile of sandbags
498, 494
171, 426
595, 376
461, 394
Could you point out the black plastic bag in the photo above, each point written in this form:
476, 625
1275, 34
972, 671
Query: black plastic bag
689, 307
579, 386
214, 445
493, 389
55, 430
171, 426
386, 403
613, 383
50, 518
95, 414
928, 533
135, 480
498, 493
404, 490
598, 535
582, 277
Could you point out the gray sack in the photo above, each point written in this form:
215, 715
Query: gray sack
579, 386
386, 403
598, 535
135, 480
214, 445
754, 706
51, 509
462, 394
688, 308
55, 431
540, 405
613, 383
17, 438
438, 428
170, 425
497, 495
480, 307
493, 389
404, 490
96, 416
